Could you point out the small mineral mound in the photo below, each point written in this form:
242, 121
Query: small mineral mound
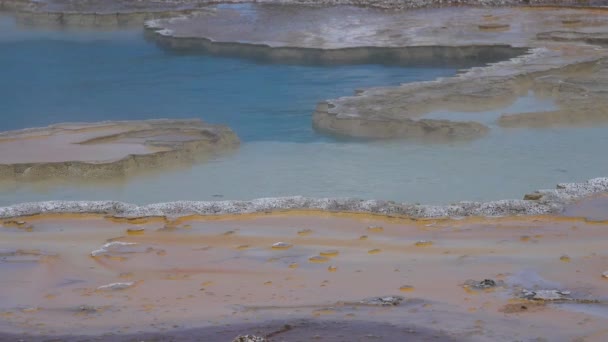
108, 150
281, 245
383, 301
317, 259
330, 253
423, 243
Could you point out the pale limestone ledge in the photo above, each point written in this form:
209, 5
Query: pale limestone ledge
528, 49
126, 6
97, 13
108, 150
546, 202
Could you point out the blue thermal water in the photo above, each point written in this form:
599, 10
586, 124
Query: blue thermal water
67, 77
55, 76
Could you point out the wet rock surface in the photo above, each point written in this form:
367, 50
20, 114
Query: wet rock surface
116, 286
114, 248
483, 284
383, 301
546, 295
249, 338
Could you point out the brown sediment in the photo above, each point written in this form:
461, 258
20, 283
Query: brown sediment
494, 27
108, 150
425, 223
201, 280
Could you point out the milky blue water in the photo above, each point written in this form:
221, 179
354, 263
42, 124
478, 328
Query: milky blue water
51, 77
48, 77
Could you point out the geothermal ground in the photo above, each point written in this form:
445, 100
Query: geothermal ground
80, 276
328, 269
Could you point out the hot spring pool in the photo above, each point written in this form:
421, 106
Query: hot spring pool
64, 76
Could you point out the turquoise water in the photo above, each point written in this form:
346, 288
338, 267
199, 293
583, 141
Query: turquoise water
53, 77
58, 76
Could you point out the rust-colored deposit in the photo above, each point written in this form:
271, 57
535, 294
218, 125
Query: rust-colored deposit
92, 275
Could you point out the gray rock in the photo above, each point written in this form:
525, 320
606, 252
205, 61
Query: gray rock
249, 338
111, 247
484, 284
553, 201
116, 286
383, 301
546, 295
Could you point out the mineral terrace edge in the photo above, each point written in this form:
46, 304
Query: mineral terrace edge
540, 202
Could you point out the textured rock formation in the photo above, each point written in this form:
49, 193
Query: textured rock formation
97, 13
109, 149
552, 45
548, 202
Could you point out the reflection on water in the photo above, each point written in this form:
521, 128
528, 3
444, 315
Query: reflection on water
527, 104
54, 76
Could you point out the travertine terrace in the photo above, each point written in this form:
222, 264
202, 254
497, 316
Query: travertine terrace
95, 13
560, 53
328, 269
109, 149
